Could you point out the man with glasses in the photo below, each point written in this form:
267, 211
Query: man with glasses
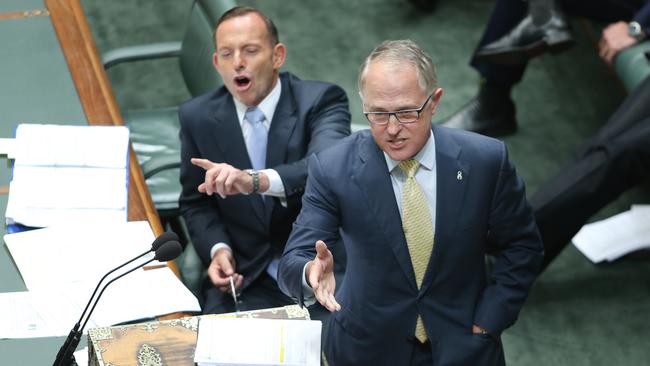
417, 209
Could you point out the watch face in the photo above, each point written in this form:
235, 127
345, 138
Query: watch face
634, 29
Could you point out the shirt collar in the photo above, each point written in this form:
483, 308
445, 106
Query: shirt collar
267, 105
426, 156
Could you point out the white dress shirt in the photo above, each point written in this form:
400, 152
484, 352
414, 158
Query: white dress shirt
267, 106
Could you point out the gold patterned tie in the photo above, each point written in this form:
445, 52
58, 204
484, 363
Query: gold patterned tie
418, 230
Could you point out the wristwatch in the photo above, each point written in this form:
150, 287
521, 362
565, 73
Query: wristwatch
256, 179
635, 31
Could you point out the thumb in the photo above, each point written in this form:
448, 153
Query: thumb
321, 250
224, 261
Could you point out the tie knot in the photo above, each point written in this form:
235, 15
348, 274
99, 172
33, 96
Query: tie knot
409, 167
254, 115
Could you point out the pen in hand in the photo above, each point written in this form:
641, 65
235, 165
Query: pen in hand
234, 294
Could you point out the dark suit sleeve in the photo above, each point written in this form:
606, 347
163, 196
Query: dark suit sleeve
318, 220
514, 236
199, 210
327, 121
643, 17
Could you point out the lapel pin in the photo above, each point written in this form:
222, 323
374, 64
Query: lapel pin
459, 175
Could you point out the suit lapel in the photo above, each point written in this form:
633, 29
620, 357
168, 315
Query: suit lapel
373, 178
230, 140
451, 178
282, 125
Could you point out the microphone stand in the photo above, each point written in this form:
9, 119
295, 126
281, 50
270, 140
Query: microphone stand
67, 349
166, 249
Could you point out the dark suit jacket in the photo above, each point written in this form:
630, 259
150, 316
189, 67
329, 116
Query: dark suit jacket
310, 116
483, 208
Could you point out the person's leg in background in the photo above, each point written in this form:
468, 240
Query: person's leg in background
492, 111
517, 31
616, 159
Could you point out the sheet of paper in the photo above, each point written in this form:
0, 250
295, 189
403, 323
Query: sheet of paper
248, 341
609, 239
68, 174
81, 356
32, 315
142, 294
7, 147
69, 254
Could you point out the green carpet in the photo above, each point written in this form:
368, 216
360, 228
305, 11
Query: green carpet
578, 313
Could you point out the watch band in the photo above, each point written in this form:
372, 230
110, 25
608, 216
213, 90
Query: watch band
256, 179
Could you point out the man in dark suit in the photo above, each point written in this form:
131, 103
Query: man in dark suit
243, 149
410, 296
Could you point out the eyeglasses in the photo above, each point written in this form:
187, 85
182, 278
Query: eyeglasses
404, 116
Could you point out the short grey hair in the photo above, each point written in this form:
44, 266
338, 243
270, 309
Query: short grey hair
398, 52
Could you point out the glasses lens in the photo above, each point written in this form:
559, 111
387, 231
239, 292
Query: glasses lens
407, 116
378, 118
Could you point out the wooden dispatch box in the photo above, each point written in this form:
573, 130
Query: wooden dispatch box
169, 342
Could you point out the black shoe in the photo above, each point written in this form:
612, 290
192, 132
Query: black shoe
491, 114
528, 40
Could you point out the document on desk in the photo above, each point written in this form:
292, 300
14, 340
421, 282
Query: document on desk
68, 174
69, 254
61, 265
251, 341
616, 236
142, 294
31, 315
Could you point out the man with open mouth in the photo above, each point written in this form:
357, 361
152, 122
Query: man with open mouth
244, 167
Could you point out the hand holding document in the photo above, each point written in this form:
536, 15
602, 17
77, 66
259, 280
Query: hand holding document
614, 237
251, 341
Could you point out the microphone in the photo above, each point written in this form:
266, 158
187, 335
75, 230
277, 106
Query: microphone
163, 252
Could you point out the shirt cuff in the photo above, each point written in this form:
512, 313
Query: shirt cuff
276, 188
309, 298
218, 246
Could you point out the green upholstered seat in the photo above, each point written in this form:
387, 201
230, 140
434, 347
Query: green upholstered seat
154, 132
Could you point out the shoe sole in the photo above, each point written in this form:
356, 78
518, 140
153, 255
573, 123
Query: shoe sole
521, 55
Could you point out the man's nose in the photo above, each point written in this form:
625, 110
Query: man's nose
239, 61
394, 126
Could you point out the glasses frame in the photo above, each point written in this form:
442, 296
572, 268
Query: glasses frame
394, 114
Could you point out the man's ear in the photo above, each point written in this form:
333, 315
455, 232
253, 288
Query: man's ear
215, 60
279, 55
435, 99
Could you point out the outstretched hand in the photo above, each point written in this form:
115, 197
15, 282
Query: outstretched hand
320, 275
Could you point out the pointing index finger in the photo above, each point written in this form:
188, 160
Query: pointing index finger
203, 163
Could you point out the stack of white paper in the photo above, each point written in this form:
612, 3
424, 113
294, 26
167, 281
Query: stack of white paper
68, 174
250, 341
610, 239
